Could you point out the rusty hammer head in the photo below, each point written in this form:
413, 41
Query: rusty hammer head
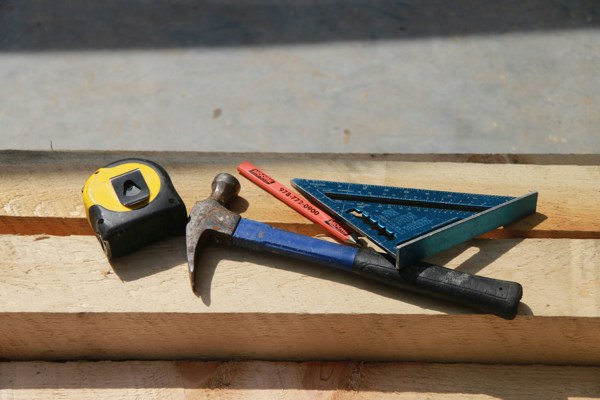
210, 221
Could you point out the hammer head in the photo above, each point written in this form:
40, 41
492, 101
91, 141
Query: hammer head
210, 221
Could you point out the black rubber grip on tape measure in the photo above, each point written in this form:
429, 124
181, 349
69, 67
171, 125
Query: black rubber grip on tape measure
119, 235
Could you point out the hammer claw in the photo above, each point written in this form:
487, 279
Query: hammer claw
209, 222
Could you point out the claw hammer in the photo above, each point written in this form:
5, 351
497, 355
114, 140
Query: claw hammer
211, 222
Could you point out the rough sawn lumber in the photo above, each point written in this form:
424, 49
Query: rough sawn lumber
308, 380
49, 185
61, 299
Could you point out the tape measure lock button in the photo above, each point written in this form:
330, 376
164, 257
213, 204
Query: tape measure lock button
131, 188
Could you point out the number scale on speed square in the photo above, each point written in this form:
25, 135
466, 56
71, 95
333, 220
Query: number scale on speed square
411, 224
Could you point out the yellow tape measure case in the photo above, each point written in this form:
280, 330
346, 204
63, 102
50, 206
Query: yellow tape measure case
131, 203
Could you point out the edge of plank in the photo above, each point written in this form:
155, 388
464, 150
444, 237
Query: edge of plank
490, 158
281, 336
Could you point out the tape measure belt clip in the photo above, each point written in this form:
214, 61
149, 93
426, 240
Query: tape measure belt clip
131, 188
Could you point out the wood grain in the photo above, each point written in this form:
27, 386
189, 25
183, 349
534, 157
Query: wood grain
61, 299
49, 185
307, 380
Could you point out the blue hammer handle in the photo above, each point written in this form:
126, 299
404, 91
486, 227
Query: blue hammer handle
484, 294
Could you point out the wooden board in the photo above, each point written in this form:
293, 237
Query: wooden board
307, 380
48, 185
61, 299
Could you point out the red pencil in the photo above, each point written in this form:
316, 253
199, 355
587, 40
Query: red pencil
295, 201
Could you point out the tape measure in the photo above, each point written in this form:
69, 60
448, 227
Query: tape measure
131, 203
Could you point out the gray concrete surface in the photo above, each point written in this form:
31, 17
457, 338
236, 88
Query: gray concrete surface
377, 76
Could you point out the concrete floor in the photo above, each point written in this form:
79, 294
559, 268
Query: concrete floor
369, 76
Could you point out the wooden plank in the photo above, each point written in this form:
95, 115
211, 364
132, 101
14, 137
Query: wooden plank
49, 185
61, 299
560, 278
311, 380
